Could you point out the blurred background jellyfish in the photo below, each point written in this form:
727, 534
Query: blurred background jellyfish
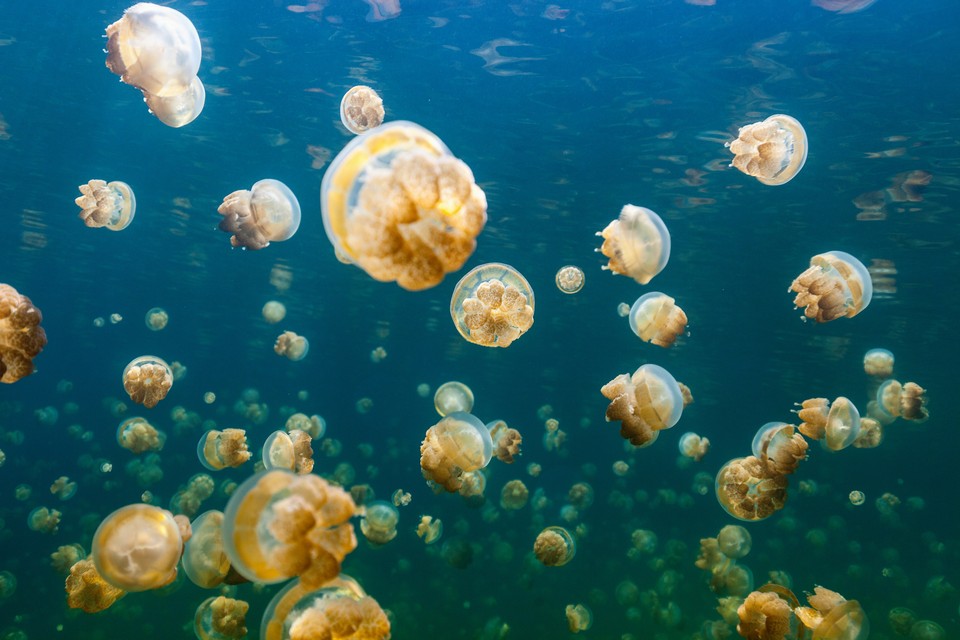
878, 363
268, 212
579, 617
221, 618
291, 346
137, 436
157, 50
835, 285
361, 109
221, 449
147, 380
378, 522
204, 560
570, 279
693, 446
506, 441
107, 204
156, 319
836, 424
772, 151
397, 204
456, 445
734, 541
554, 547
137, 548
429, 529
637, 244
492, 305
451, 397
21, 336
907, 401
644, 403
338, 609
656, 318
273, 311
832, 617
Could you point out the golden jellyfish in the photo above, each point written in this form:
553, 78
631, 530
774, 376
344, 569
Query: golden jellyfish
65, 557
871, 434
656, 319
832, 617
637, 244
570, 279
644, 403
836, 285
137, 436
361, 109
267, 212
157, 50
907, 401
514, 495
554, 547
451, 397
291, 451
107, 204
579, 617
278, 525
44, 520
878, 363
221, 449
396, 203
836, 424
291, 346
273, 311
734, 541
221, 618
87, 590
764, 615
857, 498
338, 610
147, 380
204, 560
378, 522
456, 445
63, 488
779, 447
506, 441
492, 305
472, 485
748, 490
156, 319
21, 336
694, 446
772, 151
137, 548
429, 529
315, 426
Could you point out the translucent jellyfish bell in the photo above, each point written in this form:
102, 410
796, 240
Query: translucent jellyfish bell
137, 548
843, 425
147, 380
772, 151
361, 109
492, 305
637, 244
278, 452
107, 204
298, 611
656, 318
878, 363
379, 522
458, 444
204, 560
554, 547
748, 490
221, 618
835, 285
644, 403
268, 212
451, 397
570, 279
181, 109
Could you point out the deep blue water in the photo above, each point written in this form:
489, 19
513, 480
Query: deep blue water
610, 103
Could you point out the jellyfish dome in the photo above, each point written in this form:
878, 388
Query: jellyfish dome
644, 403
772, 151
453, 396
137, 548
637, 244
106, 204
492, 305
338, 609
456, 445
204, 560
268, 212
361, 109
835, 285
656, 318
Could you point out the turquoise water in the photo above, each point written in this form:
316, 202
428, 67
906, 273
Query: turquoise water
564, 113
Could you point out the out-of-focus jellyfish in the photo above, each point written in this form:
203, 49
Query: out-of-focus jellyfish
764, 616
748, 490
88, 591
429, 529
204, 560
734, 541
221, 449
779, 447
278, 525
492, 305
579, 617
361, 109
314, 426
656, 318
835, 285
878, 363
44, 520
506, 441
378, 355
107, 204
137, 435
291, 451
514, 495
472, 485
340, 609
8, 584
291, 346
459, 443
926, 630
221, 618
694, 446
637, 244
66, 556
772, 151
397, 204
857, 498
901, 620
21, 336
273, 311
832, 617
156, 319
554, 547
871, 434
157, 50
378, 522
570, 279
268, 212
644, 403
451, 397
401, 498
63, 488
137, 548
907, 401
147, 380
836, 424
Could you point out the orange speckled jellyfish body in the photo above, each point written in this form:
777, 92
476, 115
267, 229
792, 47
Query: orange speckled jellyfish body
836, 285
137, 548
361, 109
554, 547
21, 336
637, 244
147, 379
748, 490
107, 204
492, 305
340, 608
456, 445
644, 403
772, 151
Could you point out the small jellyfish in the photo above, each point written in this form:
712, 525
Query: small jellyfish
748, 490
21, 336
694, 446
156, 319
44, 520
87, 590
8, 584
857, 498
644, 403
137, 548
656, 318
579, 617
107, 204
221, 449
451, 397
637, 244
772, 151
378, 522
492, 305
878, 363
429, 529
570, 279
832, 617
926, 630
268, 212
291, 346
506, 441
361, 109
65, 557
63, 488
273, 312
221, 618
204, 560
456, 445
907, 401
147, 380
137, 435
835, 285
314, 426
554, 547
779, 447
734, 541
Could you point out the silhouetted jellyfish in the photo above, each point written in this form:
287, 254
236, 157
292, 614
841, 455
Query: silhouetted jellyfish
878, 363
748, 490
378, 522
772, 151
338, 609
694, 446
429, 529
459, 443
291, 346
221, 449
107, 204
273, 311
21, 336
656, 318
268, 212
137, 548
831, 617
397, 204
506, 441
836, 424
451, 397
361, 109
554, 547
204, 560
907, 401
644, 403
492, 305
221, 618
278, 525
87, 590
637, 244
579, 617
835, 285
156, 319
137, 435
570, 279
147, 380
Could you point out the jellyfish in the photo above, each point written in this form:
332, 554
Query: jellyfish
291, 451
65, 557
506, 441
361, 109
637, 244
107, 204
459, 443
156, 319
772, 151
644, 403
734, 541
314, 426
492, 305
514, 495
871, 434
8, 584
878, 363
429, 529
63, 488
907, 401
451, 397
87, 590
656, 318
221, 618
137, 436
291, 346
396, 203
204, 560
268, 212
748, 490
379, 522
832, 617
836, 424
835, 285
554, 547
181, 109
273, 311
21, 336
579, 617
472, 485
764, 616
338, 609
570, 279
221, 449
137, 548
926, 630
694, 446
147, 380
779, 447
44, 520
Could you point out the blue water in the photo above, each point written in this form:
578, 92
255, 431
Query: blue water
589, 106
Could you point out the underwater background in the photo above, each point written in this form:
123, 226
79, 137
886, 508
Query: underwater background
564, 113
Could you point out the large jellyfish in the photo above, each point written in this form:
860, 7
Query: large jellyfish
456, 445
644, 403
772, 151
835, 285
107, 204
397, 204
338, 609
656, 318
268, 212
832, 617
492, 305
147, 379
637, 244
137, 548
361, 109
747, 489
21, 336
204, 560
